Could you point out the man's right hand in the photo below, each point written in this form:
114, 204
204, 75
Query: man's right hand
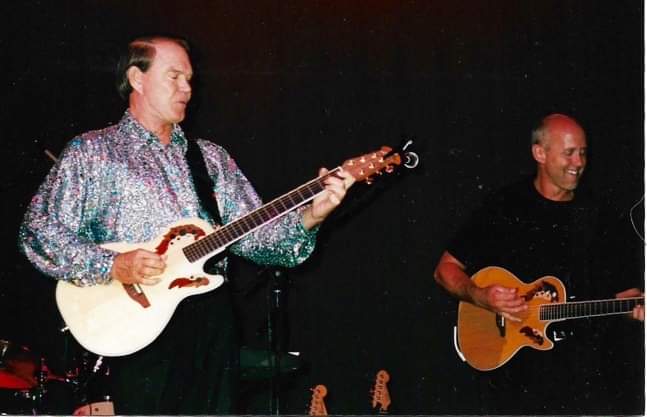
450, 273
138, 267
500, 299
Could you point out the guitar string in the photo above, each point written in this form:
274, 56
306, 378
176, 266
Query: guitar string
225, 234
553, 310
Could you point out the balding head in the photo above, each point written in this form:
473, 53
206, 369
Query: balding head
555, 124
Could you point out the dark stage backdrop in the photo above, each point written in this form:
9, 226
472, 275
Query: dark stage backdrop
289, 86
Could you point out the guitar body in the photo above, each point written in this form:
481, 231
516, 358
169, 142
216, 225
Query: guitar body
486, 339
106, 320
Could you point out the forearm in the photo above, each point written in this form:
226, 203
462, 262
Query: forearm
58, 253
454, 279
55, 235
285, 242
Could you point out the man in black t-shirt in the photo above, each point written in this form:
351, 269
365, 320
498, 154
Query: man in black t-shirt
536, 228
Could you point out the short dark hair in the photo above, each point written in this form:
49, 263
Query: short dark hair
140, 53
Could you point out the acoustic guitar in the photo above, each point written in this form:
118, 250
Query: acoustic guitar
118, 319
487, 340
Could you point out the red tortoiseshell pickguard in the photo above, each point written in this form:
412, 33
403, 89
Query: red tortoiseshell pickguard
187, 282
175, 232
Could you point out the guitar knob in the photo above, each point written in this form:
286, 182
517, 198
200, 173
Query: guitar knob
389, 169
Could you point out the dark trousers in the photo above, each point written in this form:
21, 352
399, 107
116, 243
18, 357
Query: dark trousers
191, 368
567, 380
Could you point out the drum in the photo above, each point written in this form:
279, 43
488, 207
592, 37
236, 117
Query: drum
102, 408
11, 381
56, 397
15, 394
95, 387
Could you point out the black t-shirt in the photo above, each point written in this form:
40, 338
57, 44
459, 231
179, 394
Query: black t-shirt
518, 229
531, 236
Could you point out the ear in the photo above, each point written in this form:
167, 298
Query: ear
539, 153
135, 76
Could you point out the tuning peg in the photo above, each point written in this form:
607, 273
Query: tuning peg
350, 163
369, 180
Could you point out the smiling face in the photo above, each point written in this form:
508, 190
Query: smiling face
160, 95
561, 158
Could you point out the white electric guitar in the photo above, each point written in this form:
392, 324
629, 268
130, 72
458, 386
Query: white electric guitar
118, 319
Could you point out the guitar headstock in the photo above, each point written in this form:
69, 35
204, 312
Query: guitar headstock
380, 391
364, 167
317, 405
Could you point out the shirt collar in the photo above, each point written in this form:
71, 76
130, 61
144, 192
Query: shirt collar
136, 136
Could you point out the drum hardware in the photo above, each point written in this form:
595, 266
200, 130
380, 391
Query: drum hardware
4, 346
91, 390
27, 385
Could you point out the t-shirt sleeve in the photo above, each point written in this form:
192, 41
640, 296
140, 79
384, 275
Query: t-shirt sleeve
473, 244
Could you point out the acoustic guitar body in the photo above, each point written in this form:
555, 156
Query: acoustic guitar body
486, 339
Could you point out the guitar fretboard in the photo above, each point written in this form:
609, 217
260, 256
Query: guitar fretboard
238, 228
562, 311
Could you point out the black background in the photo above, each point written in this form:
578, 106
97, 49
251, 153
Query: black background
290, 86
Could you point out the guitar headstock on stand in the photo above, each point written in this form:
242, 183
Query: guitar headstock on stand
381, 397
317, 405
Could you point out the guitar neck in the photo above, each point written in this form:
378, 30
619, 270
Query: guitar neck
582, 309
242, 226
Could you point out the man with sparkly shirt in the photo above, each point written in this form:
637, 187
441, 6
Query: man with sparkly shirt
126, 183
534, 228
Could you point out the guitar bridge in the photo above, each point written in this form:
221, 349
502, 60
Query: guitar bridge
135, 292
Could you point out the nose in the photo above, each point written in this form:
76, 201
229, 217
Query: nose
185, 85
578, 160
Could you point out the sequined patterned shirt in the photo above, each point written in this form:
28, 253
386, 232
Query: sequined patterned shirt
120, 184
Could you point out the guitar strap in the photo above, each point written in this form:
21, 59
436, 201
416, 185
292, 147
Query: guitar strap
202, 180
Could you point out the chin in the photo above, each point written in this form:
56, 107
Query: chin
177, 118
570, 187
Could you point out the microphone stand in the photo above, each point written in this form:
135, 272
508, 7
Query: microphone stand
276, 333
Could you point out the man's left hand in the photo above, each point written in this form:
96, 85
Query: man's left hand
638, 312
326, 202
